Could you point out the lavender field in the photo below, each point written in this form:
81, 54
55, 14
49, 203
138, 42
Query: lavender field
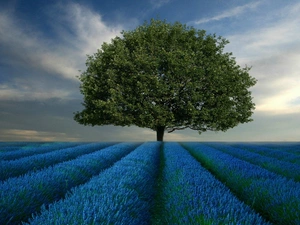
218, 183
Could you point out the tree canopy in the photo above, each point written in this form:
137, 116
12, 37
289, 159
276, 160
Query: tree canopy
165, 77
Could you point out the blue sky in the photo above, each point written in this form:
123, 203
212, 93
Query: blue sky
43, 45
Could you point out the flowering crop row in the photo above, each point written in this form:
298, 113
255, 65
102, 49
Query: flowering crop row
122, 194
109, 183
282, 154
14, 146
191, 195
273, 196
292, 147
22, 196
287, 169
21, 166
13, 155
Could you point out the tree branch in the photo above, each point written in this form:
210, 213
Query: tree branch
177, 128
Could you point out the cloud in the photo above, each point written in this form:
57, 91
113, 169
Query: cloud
43, 120
23, 92
83, 33
28, 48
43, 66
159, 3
33, 135
82, 28
272, 49
230, 13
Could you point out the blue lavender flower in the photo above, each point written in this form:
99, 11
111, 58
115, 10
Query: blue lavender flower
193, 196
273, 196
21, 166
122, 194
22, 196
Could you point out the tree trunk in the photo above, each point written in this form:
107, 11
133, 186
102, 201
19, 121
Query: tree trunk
160, 133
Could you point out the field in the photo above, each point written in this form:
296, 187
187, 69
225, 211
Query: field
62, 183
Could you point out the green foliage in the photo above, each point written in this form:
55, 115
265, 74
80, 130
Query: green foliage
165, 75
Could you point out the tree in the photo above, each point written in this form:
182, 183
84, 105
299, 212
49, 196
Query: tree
165, 76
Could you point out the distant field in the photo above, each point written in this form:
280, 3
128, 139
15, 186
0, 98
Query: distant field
62, 183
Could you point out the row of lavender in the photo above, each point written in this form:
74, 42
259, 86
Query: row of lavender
284, 163
190, 194
11, 146
13, 152
21, 196
42, 157
125, 184
274, 196
125, 193
122, 194
285, 152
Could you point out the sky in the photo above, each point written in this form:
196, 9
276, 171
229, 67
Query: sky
43, 48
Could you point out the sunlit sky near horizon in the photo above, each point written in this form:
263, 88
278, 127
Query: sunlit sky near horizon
43, 45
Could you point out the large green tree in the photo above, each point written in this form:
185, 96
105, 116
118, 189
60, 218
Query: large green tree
165, 77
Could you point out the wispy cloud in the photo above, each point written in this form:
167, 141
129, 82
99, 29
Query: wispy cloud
23, 92
48, 58
88, 31
159, 3
230, 13
273, 51
28, 47
33, 135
